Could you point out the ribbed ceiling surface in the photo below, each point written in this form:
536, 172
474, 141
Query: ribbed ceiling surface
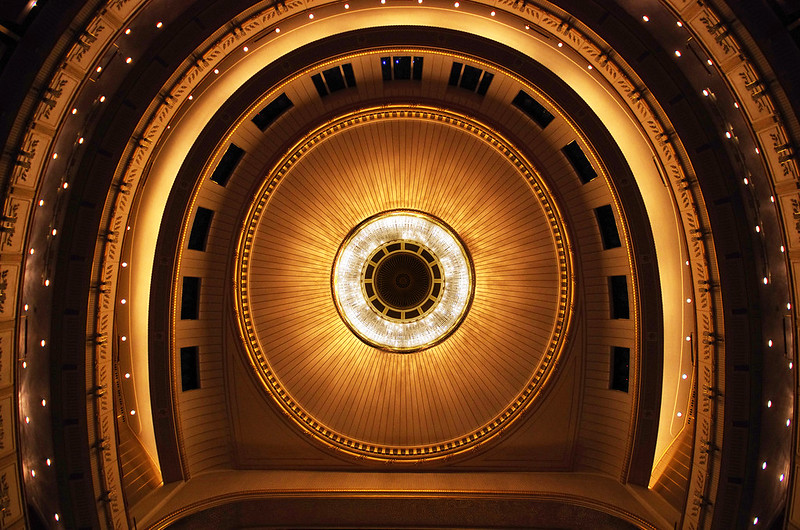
461, 390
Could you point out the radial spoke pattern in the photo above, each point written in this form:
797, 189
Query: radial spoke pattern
444, 393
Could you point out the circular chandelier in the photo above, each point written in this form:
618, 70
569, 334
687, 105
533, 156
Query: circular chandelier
402, 280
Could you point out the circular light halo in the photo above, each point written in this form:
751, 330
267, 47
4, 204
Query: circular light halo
399, 335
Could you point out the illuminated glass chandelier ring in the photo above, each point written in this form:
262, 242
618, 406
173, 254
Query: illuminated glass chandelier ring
402, 280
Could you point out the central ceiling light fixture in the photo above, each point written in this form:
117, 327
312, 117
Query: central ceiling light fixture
402, 280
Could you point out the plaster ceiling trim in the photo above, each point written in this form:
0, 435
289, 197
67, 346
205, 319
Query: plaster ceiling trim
214, 57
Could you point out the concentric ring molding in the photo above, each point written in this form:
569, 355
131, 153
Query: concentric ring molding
440, 308
259, 354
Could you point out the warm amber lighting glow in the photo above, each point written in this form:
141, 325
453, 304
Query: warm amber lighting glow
380, 329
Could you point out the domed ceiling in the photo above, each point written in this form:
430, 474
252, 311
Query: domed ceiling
423, 253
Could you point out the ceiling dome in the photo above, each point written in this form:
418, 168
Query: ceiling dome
472, 378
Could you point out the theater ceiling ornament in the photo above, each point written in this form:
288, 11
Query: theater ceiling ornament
365, 263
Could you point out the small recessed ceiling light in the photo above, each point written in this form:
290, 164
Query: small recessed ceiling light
41, 202
48, 462
680, 24
32, 251
99, 69
133, 412
728, 134
159, 25
53, 231
123, 301
80, 140
757, 151
25, 307
677, 53
246, 49
123, 338
769, 403
755, 520
27, 419
128, 60
44, 402
766, 280
124, 264
24, 364
216, 70
645, 18
560, 44
788, 305
710, 62
684, 376
688, 300
311, 16
127, 375
74, 110
687, 261
688, 338
102, 99
736, 104
347, 6
128, 31
47, 283
589, 67
33, 473
55, 155
65, 185
493, 13
705, 92
43, 343
769, 343
746, 182
277, 30
764, 465
680, 414
191, 97
781, 477
783, 249
788, 422
772, 198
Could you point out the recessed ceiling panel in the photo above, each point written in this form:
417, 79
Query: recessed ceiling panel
442, 399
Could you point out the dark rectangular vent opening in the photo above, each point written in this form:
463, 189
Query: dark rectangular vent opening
608, 226
455, 74
470, 77
416, 72
579, 162
402, 67
190, 298
349, 75
486, 80
190, 368
386, 68
227, 164
618, 286
319, 85
199, 233
272, 112
620, 368
533, 109
334, 79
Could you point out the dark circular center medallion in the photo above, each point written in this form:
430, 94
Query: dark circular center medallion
403, 280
